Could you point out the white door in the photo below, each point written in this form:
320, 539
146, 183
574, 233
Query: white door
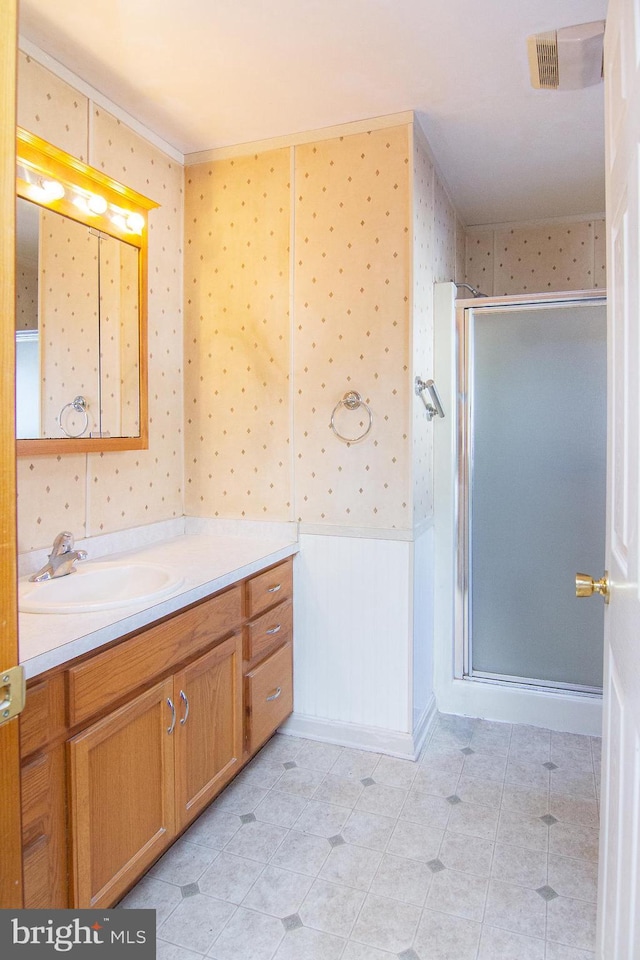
619, 890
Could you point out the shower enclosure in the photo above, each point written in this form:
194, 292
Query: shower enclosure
531, 499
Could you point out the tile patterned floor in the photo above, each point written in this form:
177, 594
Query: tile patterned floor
485, 849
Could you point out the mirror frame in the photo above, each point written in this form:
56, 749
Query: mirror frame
38, 159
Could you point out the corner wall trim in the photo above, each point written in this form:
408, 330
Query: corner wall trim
395, 743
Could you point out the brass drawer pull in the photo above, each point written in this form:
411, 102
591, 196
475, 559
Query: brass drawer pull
184, 699
274, 696
275, 589
273, 630
171, 728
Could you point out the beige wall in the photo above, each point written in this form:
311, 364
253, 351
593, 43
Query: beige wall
373, 228
100, 493
539, 258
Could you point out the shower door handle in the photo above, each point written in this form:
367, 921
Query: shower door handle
586, 586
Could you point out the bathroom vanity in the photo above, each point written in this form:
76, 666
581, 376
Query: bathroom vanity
125, 744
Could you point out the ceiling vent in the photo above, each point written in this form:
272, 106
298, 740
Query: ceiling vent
567, 59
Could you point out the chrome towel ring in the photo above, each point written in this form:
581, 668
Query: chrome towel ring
351, 400
79, 404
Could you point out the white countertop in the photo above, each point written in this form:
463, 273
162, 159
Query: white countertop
208, 564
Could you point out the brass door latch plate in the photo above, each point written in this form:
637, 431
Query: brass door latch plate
13, 688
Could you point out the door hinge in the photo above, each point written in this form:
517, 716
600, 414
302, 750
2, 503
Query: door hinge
13, 690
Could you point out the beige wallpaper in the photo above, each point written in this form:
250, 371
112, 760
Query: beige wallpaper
69, 337
27, 296
536, 259
101, 493
352, 328
237, 403
437, 241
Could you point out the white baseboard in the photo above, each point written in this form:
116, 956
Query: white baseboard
422, 729
394, 743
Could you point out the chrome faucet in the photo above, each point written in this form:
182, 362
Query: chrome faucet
61, 559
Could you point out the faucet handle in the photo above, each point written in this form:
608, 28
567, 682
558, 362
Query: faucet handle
63, 543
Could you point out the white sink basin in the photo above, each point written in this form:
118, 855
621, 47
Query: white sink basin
99, 585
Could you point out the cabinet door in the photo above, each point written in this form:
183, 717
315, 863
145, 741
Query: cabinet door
209, 730
122, 796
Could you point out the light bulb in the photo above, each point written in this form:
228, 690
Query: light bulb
135, 222
53, 190
96, 203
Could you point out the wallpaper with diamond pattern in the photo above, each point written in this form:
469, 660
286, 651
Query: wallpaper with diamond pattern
101, 493
238, 412
537, 258
352, 328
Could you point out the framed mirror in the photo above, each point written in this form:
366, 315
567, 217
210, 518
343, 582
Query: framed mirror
81, 306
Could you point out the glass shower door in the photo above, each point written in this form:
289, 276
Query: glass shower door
535, 487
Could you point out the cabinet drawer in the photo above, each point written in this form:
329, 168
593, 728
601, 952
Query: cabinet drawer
269, 695
270, 587
102, 681
269, 630
43, 718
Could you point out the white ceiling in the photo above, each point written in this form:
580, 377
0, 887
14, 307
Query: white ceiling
211, 73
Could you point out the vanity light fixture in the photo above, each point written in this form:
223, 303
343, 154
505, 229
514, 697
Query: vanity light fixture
46, 191
97, 204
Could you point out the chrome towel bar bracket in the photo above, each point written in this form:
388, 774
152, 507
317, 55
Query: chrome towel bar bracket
434, 408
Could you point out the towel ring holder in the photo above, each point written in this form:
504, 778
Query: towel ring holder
352, 401
80, 405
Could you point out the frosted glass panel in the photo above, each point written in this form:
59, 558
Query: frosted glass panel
537, 501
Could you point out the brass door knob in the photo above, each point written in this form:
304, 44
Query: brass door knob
586, 586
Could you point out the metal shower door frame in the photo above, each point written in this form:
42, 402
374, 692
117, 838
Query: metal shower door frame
465, 310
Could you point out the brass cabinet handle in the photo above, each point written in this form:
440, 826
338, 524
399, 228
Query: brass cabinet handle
171, 728
275, 589
586, 586
185, 700
274, 696
273, 630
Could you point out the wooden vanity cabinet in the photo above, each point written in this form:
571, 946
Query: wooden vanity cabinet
123, 748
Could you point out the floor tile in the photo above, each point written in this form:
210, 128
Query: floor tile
460, 894
150, 894
425, 808
527, 774
213, 828
368, 830
170, 951
528, 832
281, 748
307, 944
490, 737
240, 798
386, 924
532, 744
572, 922
322, 819
573, 878
248, 936
339, 790
395, 772
467, 854
474, 790
402, 879
300, 781
280, 808
318, 756
525, 801
510, 866
497, 944
360, 951
485, 766
439, 775
230, 878
302, 853
331, 908
415, 841
262, 772
444, 937
474, 820
574, 840
196, 922
382, 799
560, 951
351, 865
278, 892
183, 863
256, 840
574, 810
355, 764
573, 784
515, 908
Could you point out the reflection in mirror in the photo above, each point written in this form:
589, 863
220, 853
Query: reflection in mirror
76, 329
80, 306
